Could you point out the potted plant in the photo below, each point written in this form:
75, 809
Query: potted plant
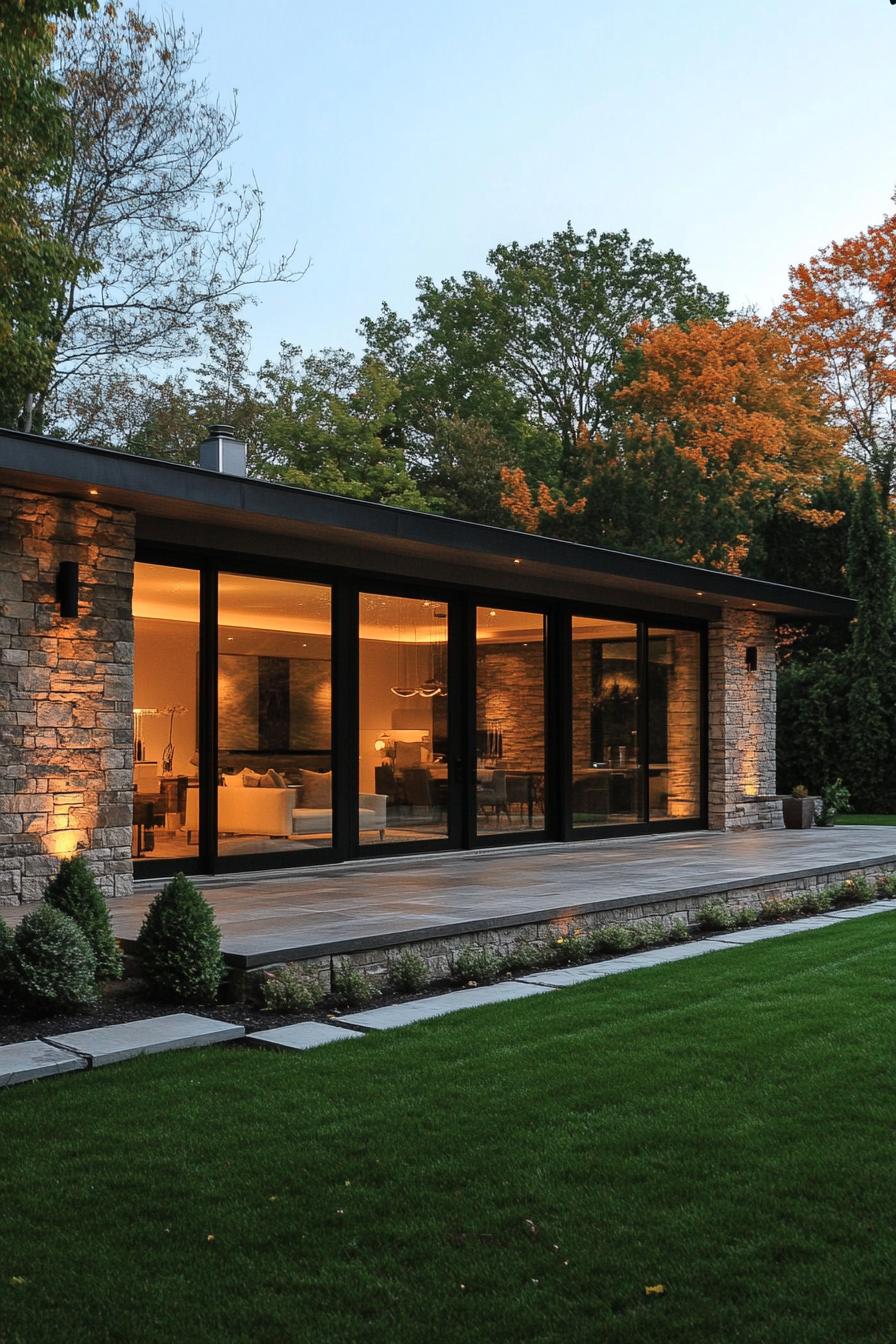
798, 809
834, 799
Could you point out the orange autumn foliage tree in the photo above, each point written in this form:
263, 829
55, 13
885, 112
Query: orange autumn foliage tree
719, 426
840, 313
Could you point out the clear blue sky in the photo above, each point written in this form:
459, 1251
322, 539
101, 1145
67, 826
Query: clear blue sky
399, 138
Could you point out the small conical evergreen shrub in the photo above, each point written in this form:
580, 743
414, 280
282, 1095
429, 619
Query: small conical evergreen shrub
74, 891
179, 944
53, 965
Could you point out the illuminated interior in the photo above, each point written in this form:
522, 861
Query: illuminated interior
634, 715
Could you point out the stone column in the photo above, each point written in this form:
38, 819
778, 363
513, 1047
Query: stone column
741, 720
66, 693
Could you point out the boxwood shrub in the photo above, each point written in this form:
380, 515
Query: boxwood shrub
74, 891
179, 945
52, 964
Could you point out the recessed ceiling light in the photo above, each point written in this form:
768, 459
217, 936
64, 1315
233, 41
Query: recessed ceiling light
493, 613
93, 492
517, 562
699, 594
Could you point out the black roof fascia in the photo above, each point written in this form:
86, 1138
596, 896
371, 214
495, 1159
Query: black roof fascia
144, 479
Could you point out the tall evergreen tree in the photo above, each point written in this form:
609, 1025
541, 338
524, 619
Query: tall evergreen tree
872, 582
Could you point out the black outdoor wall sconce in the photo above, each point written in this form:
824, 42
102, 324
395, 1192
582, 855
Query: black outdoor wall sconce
67, 588
752, 658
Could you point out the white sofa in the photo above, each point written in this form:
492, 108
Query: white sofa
272, 812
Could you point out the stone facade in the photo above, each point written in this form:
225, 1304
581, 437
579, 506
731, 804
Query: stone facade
742, 722
66, 693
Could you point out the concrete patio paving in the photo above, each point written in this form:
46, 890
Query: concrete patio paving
350, 907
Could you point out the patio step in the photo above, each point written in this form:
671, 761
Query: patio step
301, 1036
24, 1061
421, 1010
148, 1036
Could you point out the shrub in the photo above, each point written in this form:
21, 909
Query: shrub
74, 891
678, 931
522, 957
716, 916
885, 886
611, 939
816, 902
408, 974
52, 963
650, 933
745, 917
286, 990
352, 988
780, 907
570, 948
854, 891
476, 963
834, 800
179, 944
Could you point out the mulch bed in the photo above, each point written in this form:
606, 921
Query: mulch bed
127, 1001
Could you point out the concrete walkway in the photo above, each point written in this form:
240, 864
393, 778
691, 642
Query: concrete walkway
341, 908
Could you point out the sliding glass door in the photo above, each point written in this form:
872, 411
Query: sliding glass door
274, 697
405, 770
510, 721
607, 775
280, 720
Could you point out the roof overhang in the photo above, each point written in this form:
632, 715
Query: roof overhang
224, 512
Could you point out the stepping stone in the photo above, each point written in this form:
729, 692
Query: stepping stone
24, 1060
764, 931
857, 911
403, 1014
176, 1031
578, 975
659, 956
301, 1036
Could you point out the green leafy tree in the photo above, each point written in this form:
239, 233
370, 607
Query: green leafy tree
327, 427
531, 350
74, 891
34, 262
872, 582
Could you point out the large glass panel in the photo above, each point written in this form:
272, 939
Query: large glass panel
606, 773
166, 661
674, 712
510, 725
403, 718
275, 787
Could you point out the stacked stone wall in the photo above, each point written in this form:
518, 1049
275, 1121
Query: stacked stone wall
66, 693
741, 721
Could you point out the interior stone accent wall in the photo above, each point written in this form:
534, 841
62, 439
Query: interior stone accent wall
66, 693
742, 722
510, 691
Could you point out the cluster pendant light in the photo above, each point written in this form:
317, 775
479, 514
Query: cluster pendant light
408, 683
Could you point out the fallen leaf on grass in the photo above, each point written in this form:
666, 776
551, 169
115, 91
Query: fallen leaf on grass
654, 1289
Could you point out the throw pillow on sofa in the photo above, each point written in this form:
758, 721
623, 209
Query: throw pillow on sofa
272, 780
317, 788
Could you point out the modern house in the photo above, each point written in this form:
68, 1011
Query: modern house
207, 673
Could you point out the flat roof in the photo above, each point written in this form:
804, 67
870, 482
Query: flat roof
272, 517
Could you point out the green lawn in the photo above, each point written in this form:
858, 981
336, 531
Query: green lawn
722, 1126
861, 819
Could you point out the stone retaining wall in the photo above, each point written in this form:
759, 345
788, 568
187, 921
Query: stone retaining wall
440, 953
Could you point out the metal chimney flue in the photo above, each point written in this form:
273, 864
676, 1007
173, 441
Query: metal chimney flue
222, 451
